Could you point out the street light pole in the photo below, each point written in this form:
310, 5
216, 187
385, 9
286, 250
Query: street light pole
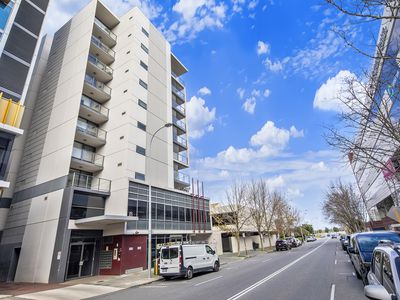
148, 167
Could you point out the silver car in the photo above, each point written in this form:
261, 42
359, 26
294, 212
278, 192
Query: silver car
383, 277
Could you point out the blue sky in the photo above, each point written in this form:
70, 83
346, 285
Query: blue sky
261, 86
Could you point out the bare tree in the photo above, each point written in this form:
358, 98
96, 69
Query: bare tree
342, 206
234, 214
273, 203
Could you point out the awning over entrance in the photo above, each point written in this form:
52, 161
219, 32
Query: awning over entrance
101, 221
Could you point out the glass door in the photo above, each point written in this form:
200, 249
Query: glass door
75, 253
80, 260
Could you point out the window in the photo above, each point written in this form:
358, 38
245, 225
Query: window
142, 104
387, 275
170, 253
175, 213
144, 66
141, 126
188, 214
209, 250
141, 150
153, 211
145, 32
160, 211
376, 265
85, 206
168, 212
142, 210
139, 176
143, 84
181, 214
5, 150
145, 49
132, 208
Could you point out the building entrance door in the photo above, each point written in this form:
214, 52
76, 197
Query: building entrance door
80, 260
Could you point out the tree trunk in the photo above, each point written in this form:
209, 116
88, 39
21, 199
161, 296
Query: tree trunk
261, 242
269, 239
238, 242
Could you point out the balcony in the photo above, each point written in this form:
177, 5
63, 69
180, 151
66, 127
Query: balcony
86, 160
179, 93
178, 79
88, 182
179, 108
182, 180
90, 135
179, 123
102, 51
103, 33
98, 69
93, 111
96, 89
181, 142
182, 160
10, 116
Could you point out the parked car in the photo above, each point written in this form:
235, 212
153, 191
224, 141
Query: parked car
282, 245
293, 242
187, 259
311, 239
344, 241
383, 277
362, 246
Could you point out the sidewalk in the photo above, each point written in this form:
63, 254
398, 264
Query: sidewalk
74, 289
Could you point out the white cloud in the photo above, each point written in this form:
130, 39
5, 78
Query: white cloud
256, 93
267, 93
276, 66
330, 95
238, 5
320, 166
204, 91
200, 117
240, 92
271, 137
224, 174
262, 48
296, 133
250, 105
275, 183
294, 193
252, 4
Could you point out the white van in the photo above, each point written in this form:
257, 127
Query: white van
187, 259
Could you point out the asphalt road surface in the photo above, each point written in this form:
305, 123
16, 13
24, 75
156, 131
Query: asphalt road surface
318, 270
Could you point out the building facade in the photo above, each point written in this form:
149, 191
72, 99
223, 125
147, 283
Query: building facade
379, 186
20, 29
108, 120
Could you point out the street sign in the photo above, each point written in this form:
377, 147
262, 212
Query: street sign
394, 213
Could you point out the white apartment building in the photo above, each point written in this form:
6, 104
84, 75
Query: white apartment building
109, 118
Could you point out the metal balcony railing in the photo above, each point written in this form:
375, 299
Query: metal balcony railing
105, 29
178, 107
102, 46
97, 84
10, 112
88, 156
180, 140
91, 130
181, 158
181, 177
93, 105
102, 66
179, 123
180, 94
89, 182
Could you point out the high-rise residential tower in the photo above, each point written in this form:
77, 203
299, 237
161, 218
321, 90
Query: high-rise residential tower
109, 119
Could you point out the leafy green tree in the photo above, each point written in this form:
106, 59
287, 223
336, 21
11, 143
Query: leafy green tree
308, 227
335, 229
327, 230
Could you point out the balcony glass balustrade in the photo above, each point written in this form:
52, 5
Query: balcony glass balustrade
181, 124
181, 140
93, 105
105, 29
102, 66
88, 156
178, 92
182, 178
76, 179
103, 46
180, 108
181, 158
91, 130
97, 84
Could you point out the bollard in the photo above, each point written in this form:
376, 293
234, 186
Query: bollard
155, 267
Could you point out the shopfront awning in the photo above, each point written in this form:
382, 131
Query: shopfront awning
105, 220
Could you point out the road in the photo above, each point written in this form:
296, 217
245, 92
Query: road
318, 270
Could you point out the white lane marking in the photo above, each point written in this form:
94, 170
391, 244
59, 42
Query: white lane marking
333, 292
255, 285
267, 260
335, 261
212, 279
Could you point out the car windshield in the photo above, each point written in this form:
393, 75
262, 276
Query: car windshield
367, 243
169, 253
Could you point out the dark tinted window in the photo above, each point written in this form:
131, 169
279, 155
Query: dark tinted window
141, 126
140, 150
144, 66
145, 32
160, 211
181, 214
170, 253
175, 213
168, 212
142, 210
144, 48
377, 265
367, 243
142, 104
188, 214
387, 275
139, 176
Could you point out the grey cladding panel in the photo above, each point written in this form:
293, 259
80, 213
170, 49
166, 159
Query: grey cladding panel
14, 78
42, 4
21, 44
29, 17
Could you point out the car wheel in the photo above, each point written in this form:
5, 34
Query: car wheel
189, 273
168, 278
216, 266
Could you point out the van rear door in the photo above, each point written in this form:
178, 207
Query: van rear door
169, 260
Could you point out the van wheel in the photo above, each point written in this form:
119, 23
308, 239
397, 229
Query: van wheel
189, 273
216, 266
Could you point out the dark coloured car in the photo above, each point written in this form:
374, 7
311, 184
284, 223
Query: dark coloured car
282, 245
344, 241
362, 246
